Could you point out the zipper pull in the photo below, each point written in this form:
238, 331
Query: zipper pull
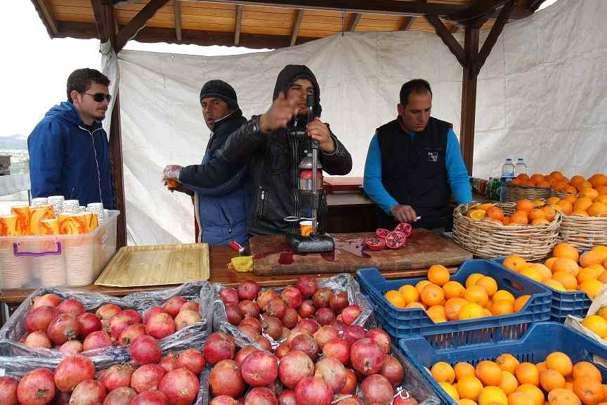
263, 194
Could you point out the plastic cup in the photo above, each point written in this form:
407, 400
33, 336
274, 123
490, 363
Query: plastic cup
305, 228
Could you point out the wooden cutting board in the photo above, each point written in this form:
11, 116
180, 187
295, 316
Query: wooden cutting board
272, 255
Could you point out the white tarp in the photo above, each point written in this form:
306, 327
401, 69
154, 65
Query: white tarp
542, 95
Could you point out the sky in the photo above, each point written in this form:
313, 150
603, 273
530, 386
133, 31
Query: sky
34, 68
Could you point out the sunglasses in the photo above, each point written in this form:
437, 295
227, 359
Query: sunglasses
99, 97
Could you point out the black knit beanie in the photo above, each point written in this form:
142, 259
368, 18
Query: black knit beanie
220, 89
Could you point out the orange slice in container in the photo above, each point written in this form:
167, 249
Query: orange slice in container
50, 226
8, 225
37, 215
69, 225
23, 220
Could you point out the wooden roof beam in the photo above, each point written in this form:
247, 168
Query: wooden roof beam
177, 17
47, 17
296, 25
105, 21
238, 24
491, 39
130, 30
355, 20
443, 32
479, 9
406, 23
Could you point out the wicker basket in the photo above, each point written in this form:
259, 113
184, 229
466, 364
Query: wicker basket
584, 232
515, 193
489, 240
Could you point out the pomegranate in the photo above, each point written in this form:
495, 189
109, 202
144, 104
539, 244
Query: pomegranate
272, 327
393, 370
338, 301
36, 387
354, 333
332, 372
225, 379
62, 398
131, 333
119, 322
309, 324
307, 309
118, 375
145, 349
96, 340
147, 377
351, 383
37, 339
260, 396
191, 359
350, 313
88, 392
287, 397
249, 331
120, 396
306, 343
233, 313
290, 318
229, 295
337, 348
263, 343
324, 316
293, 367
248, 290
173, 305
218, 346
259, 369
192, 305
404, 398
243, 353
62, 328
313, 390
307, 285
321, 297
8, 390
72, 370
169, 361
71, 306
298, 330
377, 389
39, 318
89, 323
187, 317
276, 307
351, 401
133, 315
71, 347
265, 297
160, 325
51, 300
366, 356
252, 322
150, 398
292, 296
150, 312
180, 386
223, 400
106, 311
325, 334
282, 351
380, 337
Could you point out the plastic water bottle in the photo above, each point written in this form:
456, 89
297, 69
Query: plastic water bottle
520, 167
507, 176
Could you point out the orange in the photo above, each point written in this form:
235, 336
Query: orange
602, 190
519, 398
536, 394
409, 293
443, 372
519, 218
562, 396
564, 206
587, 371
416, 305
591, 287
453, 289
437, 313
551, 379
549, 213
477, 294
544, 272
473, 278
591, 272
570, 198
582, 204
502, 307
602, 312
603, 276
489, 284
552, 200
597, 324
540, 221
453, 307
555, 285
466, 402
495, 213
526, 373
489, 372
449, 389
536, 213
432, 295
477, 214
550, 262
470, 311
524, 205
566, 279
514, 263
421, 285
506, 220
438, 274
463, 369
580, 213
532, 273
541, 366
492, 396
507, 362
598, 179
509, 383
503, 295
589, 193
590, 392
566, 264
395, 298
520, 302
592, 257
469, 387
565, 250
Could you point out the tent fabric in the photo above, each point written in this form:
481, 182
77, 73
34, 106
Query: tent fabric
541, 96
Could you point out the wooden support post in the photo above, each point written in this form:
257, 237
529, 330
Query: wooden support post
468, 110
355, 20
406, 24
295, 30
237, 24
117, 172
177, 18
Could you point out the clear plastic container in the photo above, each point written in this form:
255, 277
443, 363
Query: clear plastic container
520, 167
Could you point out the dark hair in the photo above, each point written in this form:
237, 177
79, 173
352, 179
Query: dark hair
81, 79
413, 86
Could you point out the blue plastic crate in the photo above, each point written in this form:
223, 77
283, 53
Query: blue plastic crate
401, 323
574, 303
540, 340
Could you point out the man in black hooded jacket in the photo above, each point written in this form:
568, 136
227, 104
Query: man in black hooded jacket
273, 153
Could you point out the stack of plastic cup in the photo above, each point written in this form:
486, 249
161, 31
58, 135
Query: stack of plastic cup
97, 208
56, 201
39, 201
71, 207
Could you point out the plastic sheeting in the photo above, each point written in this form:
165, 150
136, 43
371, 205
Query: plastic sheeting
541, 96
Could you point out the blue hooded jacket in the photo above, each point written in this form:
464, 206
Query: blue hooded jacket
70, 159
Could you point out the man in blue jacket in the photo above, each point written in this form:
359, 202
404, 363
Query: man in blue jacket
221, 211
414, 165
69, 150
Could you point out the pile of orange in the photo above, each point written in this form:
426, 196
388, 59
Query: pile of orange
567, 269
558, 182
506, 381
588, 203
448, 300
527, 212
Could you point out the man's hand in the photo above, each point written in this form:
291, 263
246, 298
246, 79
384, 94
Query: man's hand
171, 172
278, 116
319, 131
404, 213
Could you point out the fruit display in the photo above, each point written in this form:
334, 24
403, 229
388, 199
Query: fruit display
525, 212
384, 238
567, 269
506, 380
447, 300
559, 183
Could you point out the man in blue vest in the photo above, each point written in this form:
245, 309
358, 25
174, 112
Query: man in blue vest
414, 165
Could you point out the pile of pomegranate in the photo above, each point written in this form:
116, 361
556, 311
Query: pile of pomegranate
63, 324
149, 380
318, 355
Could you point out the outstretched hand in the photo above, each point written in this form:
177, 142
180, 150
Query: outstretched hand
278, 115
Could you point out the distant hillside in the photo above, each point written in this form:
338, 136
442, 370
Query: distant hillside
13, 142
